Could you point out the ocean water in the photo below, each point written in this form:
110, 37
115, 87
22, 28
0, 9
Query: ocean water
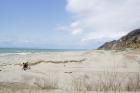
27, 50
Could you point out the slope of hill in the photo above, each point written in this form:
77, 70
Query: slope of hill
131, 40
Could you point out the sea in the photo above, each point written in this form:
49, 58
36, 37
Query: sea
30, 50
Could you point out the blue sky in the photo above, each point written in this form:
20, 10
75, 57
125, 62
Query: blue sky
65, 23
31, 23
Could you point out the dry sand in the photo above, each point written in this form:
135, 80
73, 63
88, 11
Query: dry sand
95, 71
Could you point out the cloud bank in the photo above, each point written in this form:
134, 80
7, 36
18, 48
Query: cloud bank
103, 20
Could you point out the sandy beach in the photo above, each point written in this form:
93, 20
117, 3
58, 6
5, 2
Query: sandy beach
71, 72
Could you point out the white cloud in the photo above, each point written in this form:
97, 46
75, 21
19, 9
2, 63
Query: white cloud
74, 28
103, 19
22, 40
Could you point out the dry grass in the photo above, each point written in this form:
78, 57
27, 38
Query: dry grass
115, 82
108, 81
50, 82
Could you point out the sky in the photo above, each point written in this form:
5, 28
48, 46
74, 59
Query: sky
66, 24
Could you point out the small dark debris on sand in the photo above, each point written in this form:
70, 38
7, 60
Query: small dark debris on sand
68, 72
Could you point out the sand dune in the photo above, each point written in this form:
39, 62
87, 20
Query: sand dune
66, 72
